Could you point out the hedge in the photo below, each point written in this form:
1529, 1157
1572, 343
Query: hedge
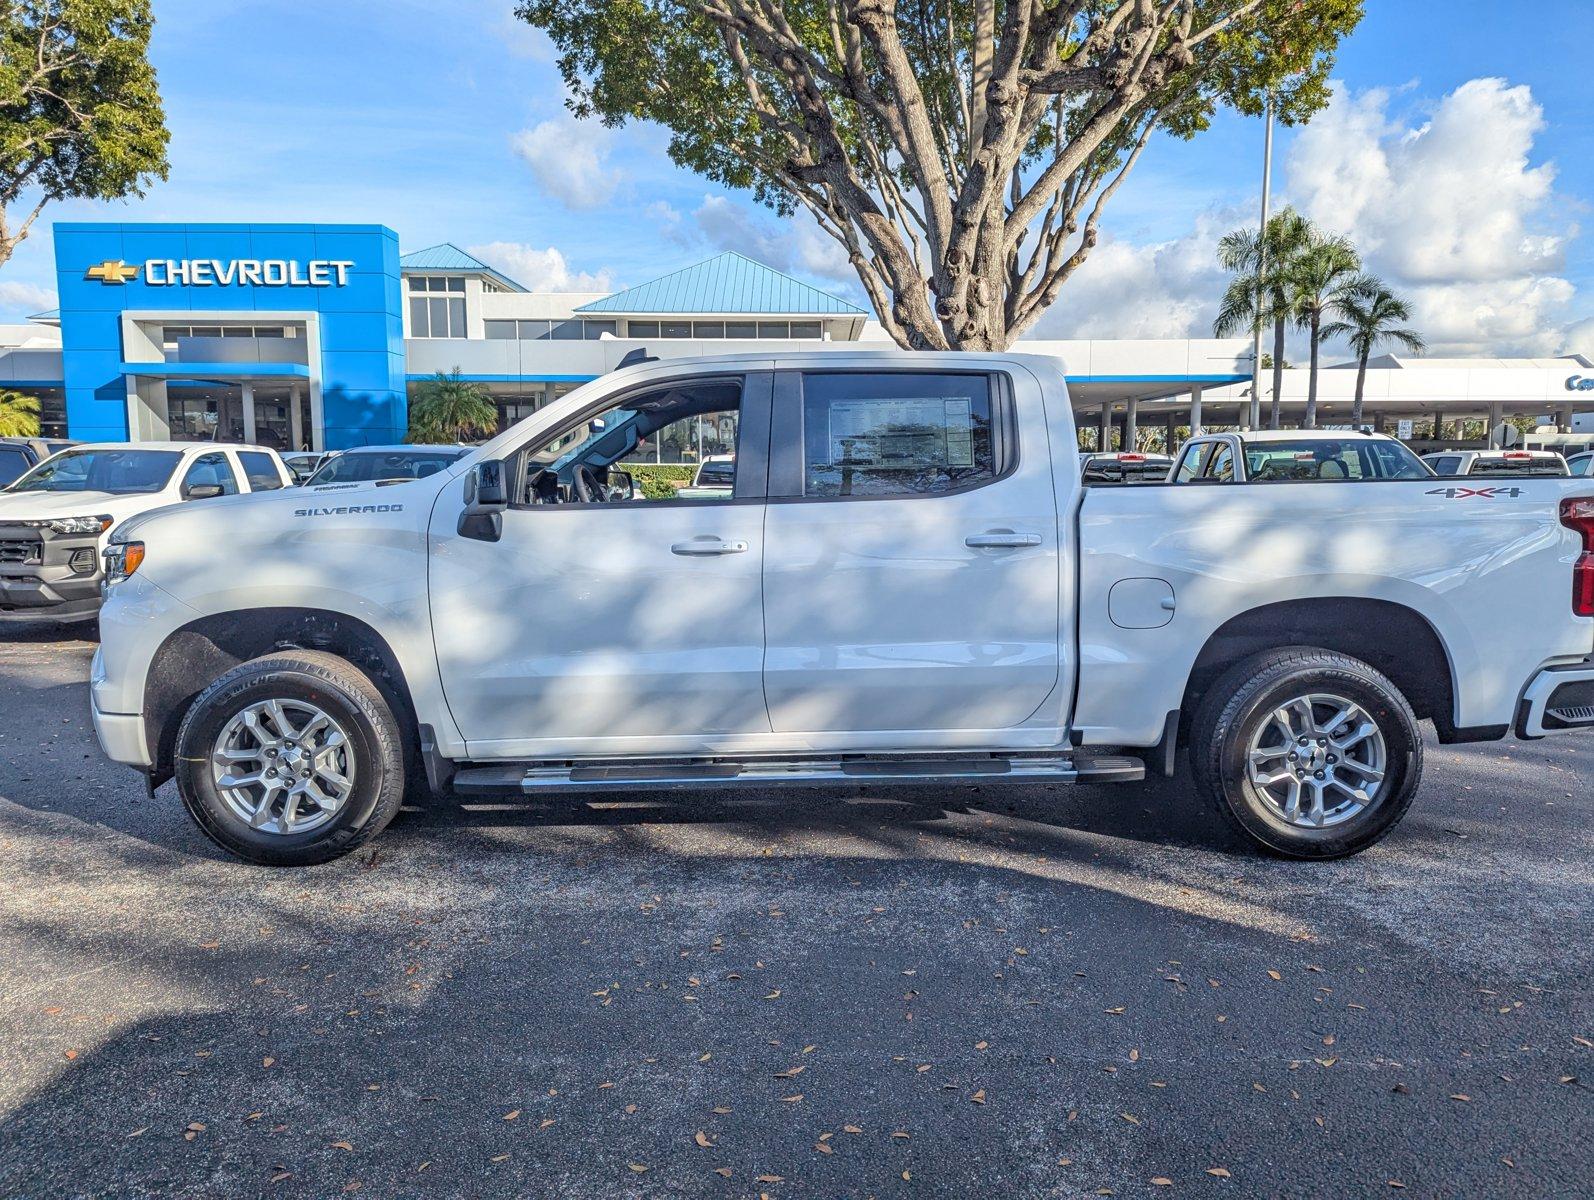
659, 481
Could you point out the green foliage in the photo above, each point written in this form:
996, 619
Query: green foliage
1369, 314
448, 408
960, 150
80, 112
19, 415
660, 481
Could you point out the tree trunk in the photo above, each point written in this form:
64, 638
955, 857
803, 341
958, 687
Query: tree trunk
1361, 381
1311, 383
1278, 370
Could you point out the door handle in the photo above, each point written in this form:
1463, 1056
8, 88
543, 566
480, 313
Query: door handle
995, 539
704, 546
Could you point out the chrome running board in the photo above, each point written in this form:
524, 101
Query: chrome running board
691, 775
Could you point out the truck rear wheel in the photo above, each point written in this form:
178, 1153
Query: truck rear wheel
1307, 752
291, 759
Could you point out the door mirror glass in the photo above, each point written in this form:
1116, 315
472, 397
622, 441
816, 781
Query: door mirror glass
203, 491
622, 485
486, 498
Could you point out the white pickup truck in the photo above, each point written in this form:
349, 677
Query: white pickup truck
907, 584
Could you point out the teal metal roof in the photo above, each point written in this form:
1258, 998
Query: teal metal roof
449, 257
726, 283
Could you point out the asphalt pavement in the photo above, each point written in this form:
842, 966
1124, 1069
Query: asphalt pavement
957, 992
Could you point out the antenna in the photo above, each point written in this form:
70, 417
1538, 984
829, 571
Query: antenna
636, 357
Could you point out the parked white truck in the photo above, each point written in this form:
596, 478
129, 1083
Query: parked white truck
906, 584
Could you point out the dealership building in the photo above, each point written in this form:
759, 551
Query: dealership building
316, 336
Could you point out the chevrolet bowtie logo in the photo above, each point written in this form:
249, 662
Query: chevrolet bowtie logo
112, 270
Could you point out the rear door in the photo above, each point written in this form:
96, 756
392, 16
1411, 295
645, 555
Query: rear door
911, 567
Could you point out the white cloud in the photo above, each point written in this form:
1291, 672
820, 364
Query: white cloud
568, 158
1451, 211
1153, 290
540, 270
25, 299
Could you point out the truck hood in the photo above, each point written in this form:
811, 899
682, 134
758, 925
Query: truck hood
42, 506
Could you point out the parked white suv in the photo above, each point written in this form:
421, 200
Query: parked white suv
907, 584
55, 520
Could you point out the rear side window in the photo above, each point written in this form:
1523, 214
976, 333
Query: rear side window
896, 434
1191, 461
260, 471
1445, 464
14, 464
1221, 467
209, 470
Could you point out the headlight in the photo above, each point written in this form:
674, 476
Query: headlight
121, 560
73, 524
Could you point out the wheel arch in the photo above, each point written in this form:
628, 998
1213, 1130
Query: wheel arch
1392, 637
199, 652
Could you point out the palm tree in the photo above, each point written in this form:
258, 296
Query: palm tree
1258, 295
1320, 276
1370, 313
19, 415
449, 408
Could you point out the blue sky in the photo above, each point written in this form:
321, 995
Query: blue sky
446, 122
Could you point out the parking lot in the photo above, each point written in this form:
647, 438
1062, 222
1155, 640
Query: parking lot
949, 992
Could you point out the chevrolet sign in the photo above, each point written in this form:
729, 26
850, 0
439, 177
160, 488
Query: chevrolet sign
216, 272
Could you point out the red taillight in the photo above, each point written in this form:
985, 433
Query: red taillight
1519, 454
1577, 512
1133, 457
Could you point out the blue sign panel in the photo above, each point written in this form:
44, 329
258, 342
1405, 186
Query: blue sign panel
342, 280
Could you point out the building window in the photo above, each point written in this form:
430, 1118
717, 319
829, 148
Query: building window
774, 329
675, 329
567, 331
643, 329
708, 329
499, 331
437, 283
741, 329
593, 330
805, 329
437, 317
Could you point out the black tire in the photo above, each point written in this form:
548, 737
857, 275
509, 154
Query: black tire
345, 693
1242, 700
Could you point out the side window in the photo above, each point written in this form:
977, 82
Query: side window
1445, 465
1221, 467
676, 443
260, 471
1191, 461
13, 464
897, 434
211, 470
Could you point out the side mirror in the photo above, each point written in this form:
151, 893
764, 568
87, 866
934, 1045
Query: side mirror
622, 484
486, 498
203, 491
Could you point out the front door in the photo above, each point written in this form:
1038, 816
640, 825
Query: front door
911, 566
611, 625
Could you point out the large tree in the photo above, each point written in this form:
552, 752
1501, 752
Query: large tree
960, 150
80, 113
1369, 314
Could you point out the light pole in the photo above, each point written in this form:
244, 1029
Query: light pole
1261, 267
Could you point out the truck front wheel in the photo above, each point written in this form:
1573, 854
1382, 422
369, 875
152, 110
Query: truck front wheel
1307, 752
291, 759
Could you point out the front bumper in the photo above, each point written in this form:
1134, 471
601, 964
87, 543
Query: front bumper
1558, 700
122, 738
48, 576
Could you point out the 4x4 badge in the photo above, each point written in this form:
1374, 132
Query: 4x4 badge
1483, 493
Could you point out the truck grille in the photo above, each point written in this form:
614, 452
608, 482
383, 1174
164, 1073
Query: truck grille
16, 551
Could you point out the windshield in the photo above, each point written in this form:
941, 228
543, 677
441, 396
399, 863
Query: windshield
125, 472
366, 466
1331, 458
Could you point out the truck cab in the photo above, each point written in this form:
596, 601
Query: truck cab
904, 582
